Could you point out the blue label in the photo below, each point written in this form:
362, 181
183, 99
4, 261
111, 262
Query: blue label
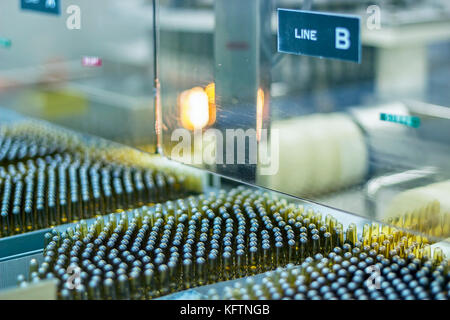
409, 121
319, 34
5, 43
47, 6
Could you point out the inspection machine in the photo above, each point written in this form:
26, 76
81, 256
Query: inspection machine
224, 149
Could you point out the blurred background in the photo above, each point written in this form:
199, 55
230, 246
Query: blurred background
369, 138
42, 74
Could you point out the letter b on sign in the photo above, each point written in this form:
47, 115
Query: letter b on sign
342, 39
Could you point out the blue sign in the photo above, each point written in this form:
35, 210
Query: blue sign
47, 6
317, 34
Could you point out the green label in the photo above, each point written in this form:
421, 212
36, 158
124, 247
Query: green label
5, 43
409, 121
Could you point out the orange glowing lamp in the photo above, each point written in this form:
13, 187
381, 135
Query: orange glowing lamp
197, 107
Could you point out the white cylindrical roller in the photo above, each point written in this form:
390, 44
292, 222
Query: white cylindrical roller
428, 205
317, 154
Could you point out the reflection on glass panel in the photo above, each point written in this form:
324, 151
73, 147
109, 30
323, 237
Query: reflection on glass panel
89, 68
370, 138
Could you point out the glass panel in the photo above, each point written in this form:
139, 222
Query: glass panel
368, 138
89, 68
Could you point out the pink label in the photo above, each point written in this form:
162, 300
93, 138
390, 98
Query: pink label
91, 62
